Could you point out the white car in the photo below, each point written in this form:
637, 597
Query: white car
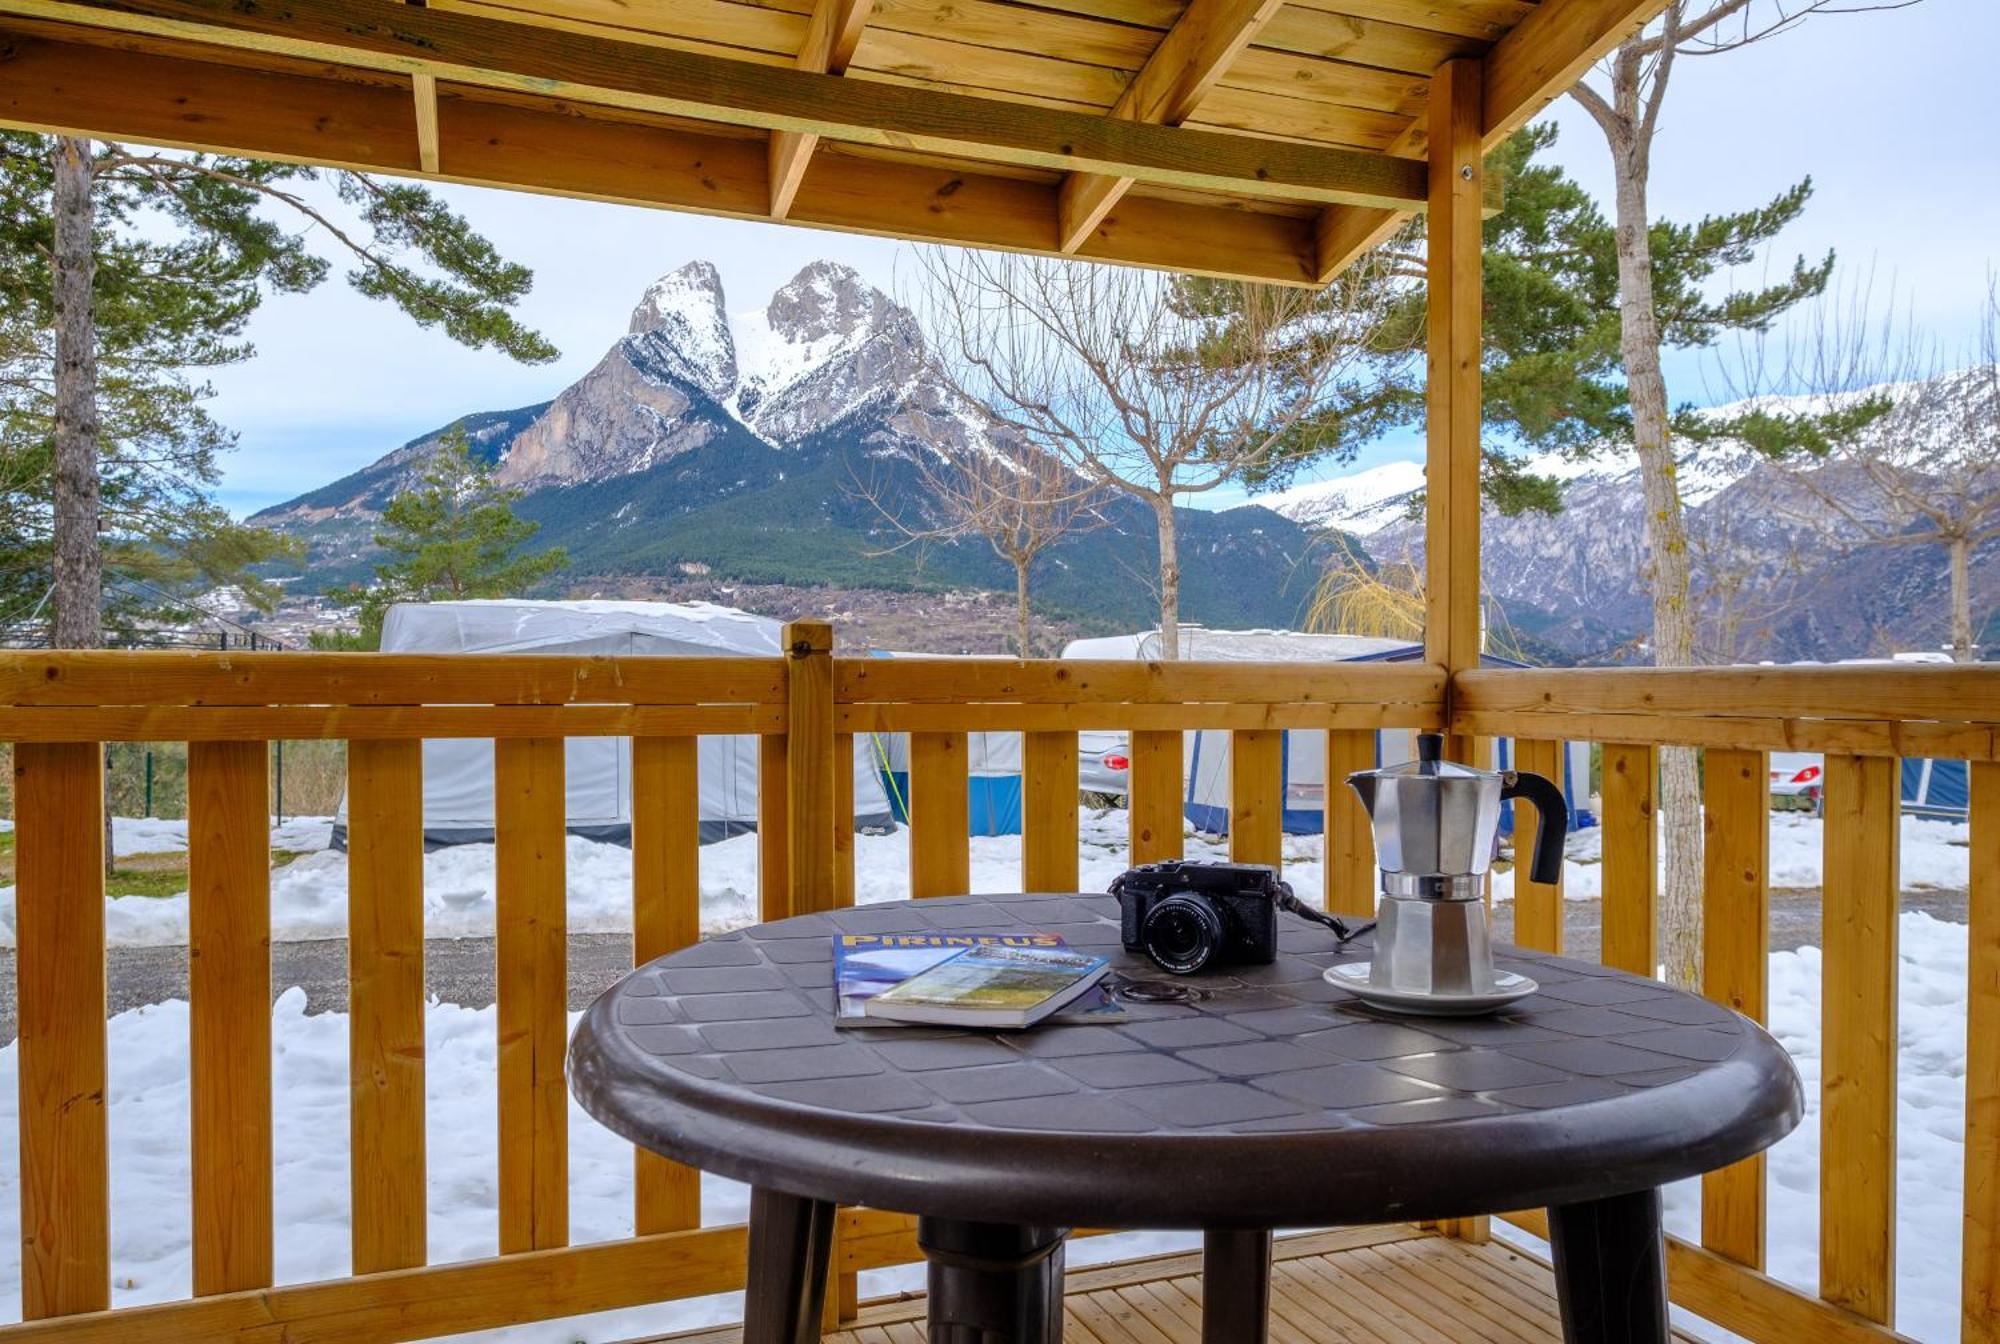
1104, 764
1797, 776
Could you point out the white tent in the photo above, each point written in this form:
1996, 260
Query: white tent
458, 773
1206, 753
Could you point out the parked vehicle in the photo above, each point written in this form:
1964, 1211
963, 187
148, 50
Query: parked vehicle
1796, 779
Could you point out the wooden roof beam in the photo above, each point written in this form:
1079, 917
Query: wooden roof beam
1532, 66
584, 69
89, 82
1189, 61
832, 34
425, 91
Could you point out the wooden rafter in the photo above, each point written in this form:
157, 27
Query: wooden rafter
1525, 71
423, 87
583, 68
831, 37
97, 84
1189, 61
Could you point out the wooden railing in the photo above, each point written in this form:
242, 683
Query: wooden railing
805, 706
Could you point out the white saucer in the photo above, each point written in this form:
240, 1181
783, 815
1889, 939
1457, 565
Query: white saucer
1352, 976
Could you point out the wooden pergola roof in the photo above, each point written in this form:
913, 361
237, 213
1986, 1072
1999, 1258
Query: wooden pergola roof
1252, 138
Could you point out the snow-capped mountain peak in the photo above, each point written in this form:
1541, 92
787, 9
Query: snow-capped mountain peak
682, 316
827, 343
1360, 502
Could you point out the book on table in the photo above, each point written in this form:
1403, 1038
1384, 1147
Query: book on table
865, 964
991, 986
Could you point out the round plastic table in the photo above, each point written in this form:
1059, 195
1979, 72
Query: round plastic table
1253, 1098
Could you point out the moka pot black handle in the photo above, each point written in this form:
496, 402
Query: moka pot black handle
1547, 864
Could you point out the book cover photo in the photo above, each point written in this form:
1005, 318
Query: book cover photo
865, 964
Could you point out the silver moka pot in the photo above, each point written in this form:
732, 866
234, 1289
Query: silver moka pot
1435, 824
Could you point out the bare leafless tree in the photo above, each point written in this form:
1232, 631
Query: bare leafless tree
1017, 498
1119, 378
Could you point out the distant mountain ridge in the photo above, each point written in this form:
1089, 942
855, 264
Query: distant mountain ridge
742, 446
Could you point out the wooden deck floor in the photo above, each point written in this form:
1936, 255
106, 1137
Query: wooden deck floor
1383, 1285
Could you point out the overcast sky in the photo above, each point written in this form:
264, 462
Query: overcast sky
1895, 115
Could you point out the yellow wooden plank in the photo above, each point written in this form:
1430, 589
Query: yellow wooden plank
1256, 797
423, 92
1631, 857
385, 997
229, 1013
531, 972
1883, 693
968, 682
831, 36
810, 765
1120, 716
1735, 955
59, 959
1155, 817
666, 916
1980, 1318
1538, 907
940, 848
1547, 52
843, 819
774, 830
1350, 843
1857, 1251
1049, 812
1452, 626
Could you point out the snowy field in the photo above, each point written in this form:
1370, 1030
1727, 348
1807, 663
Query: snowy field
149, 1083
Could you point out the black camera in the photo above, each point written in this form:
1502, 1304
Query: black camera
1186, 916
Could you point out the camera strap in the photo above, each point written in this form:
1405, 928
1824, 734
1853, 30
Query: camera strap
1341, 930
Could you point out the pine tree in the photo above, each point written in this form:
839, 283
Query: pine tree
455, 535
126, 272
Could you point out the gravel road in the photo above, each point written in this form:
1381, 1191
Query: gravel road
460, 970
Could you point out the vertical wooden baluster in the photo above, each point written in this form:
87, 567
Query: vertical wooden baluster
229, 1012
1857, 1150
843, 820
531, 957
1349, 847
1735, 963
385, 992
59, 942
666, 916
1631, 858
1256, 796
1538, 906
774, 831
1980, 1319
1155, 817
1048, 812
809, 767
940, 822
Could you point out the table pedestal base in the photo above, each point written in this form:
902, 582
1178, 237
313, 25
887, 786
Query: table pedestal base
993, 1283
791, 1240
1611, 1269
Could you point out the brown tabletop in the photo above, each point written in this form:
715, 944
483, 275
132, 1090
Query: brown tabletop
1275, 1100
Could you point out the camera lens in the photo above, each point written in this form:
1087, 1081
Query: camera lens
1181, 934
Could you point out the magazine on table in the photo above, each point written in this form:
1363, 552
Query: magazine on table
865, 964
991, 986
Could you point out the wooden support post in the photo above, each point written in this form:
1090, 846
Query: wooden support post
810, 767
940, 845
1350, 844
1980, 1317
1538, 907
1735, 964
1453, 343
1857, 1144
666, 916
423, 91
1155, 816
1453, 348
385, 996
843, 820
59, 942
1048, 812
1256, 796
1631, 858
229, 1012
531, 947
774, 831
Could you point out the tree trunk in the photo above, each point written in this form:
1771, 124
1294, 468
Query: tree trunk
1960, 550
77, 562
1170, 579
1667, 548
1024, 627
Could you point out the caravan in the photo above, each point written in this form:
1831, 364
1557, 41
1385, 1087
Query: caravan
458, 773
